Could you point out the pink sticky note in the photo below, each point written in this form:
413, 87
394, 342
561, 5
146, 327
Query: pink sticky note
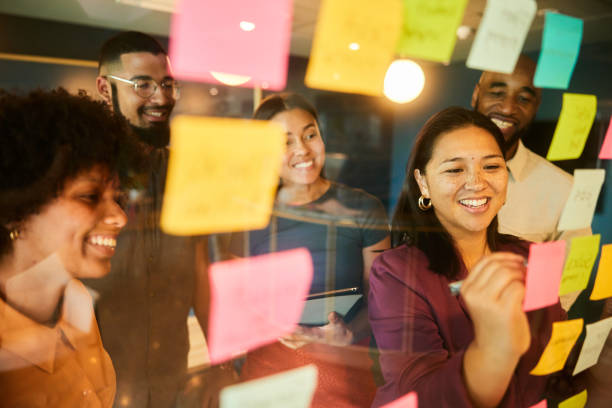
256, 300
246, 39
409, 400
606, 147
541, 404
544, 269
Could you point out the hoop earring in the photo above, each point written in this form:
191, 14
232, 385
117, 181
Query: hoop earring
14, 234
424, 206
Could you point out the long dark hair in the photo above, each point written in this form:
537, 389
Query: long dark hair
412, 226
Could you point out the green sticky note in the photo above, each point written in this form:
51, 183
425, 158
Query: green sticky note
579, 263
577, 115
429, 30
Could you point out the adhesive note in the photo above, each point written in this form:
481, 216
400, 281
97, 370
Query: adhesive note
544, 268
575, 121
580, 205
353, 45
603, 281
606, 147
501, 34
289, 389
234, 42
560, 48
541, 404
429, 29
577, 401
563, 338
222, 175
596, 336
256, 300
579, 263
409, 400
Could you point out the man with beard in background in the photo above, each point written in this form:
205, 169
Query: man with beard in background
537, 189
155, 278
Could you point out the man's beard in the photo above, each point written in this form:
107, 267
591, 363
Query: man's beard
157, 135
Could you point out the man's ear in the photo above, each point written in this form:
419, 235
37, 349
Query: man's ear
475, 96
104, 90
422, 182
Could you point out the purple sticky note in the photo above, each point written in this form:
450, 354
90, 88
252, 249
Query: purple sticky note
243, 38
606, 148
409, 400
256, 300
544, 269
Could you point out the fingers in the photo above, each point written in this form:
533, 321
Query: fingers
493, 274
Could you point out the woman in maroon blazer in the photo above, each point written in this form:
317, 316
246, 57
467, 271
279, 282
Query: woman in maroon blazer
477, 348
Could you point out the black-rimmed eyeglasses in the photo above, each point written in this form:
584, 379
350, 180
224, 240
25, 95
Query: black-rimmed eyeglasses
146, 87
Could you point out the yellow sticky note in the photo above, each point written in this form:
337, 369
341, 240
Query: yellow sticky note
429, 30
573, 127
564, 335
353, 45
579, 263
577, 401
222, 175
603, 281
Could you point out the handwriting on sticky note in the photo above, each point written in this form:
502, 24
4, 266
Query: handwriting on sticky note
577, 401
429, 28
606, 147
544, 268
560, 47
603, 281
409, 400
255, 38
596, 336
256, 300
222, 175
289, 389
580, 205
353, 45
541, 404
563, 338
579, 263
501, 34
575, 121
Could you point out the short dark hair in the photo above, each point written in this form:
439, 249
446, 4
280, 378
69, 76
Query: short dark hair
127, 42
274, 104
49, 137
422, 229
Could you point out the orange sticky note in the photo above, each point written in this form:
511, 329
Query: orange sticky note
222, 175
544, 269
563, 338
353, 45
409, 400
541, 404
606, 147
256, 300
577, 401
603, 281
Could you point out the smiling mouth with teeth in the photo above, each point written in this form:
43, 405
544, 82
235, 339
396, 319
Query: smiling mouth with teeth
103, 241
502, 124
303, 164
474, 203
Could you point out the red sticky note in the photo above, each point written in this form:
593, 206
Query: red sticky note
544, 269
409, 400
243, 38
606, 147
541, 404
256, 300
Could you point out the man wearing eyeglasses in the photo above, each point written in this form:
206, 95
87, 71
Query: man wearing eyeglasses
144, 302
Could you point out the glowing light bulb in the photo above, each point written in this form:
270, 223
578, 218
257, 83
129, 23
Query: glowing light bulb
404, 81
230, 79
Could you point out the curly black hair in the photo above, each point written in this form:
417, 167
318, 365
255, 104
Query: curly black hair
48, 138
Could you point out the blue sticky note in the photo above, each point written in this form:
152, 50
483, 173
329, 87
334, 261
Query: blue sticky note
560, 47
